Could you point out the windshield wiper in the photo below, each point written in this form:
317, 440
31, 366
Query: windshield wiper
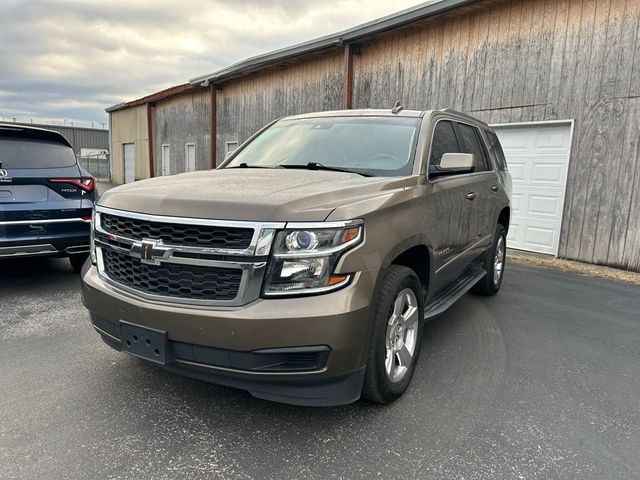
320, 166
245, 165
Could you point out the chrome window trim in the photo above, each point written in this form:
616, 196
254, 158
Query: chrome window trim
453, 119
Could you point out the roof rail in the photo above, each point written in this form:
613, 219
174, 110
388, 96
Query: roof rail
461, 114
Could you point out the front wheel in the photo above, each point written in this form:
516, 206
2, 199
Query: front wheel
494, 265
395, 342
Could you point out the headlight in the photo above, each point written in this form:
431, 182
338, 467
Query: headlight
92, 240
304, 259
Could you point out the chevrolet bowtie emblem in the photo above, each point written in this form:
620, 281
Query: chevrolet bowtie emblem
151, 252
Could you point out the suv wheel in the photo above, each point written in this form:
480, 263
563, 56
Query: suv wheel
395, 341
77, 261
494, 265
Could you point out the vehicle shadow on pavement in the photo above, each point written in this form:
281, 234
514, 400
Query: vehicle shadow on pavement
15, 274
461, 364
133, 410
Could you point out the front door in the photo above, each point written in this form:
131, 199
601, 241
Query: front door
449, 209
481, 191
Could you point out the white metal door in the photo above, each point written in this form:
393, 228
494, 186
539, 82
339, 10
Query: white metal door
166, 160
190, 157
129, 162
538, 159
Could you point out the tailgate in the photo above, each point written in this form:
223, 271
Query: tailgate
33, 206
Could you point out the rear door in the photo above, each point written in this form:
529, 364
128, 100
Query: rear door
481, 185
40, 182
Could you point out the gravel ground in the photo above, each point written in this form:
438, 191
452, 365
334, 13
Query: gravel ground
539, 382
596, 271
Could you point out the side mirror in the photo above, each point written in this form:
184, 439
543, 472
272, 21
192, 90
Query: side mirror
453, 164
463, 161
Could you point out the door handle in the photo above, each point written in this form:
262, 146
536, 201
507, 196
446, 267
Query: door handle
495, 188
471, 196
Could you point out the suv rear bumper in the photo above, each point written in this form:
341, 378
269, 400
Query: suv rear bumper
45, 246
231, 346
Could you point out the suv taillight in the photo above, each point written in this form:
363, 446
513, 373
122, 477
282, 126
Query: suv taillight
88, 184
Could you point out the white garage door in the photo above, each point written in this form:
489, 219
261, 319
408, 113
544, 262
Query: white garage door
538, 159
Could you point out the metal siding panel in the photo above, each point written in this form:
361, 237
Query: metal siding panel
183, 119
246, 105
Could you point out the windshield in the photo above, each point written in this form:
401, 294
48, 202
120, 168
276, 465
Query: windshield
380, 146
32, 153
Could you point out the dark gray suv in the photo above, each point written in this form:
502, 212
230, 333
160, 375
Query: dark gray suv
46, 197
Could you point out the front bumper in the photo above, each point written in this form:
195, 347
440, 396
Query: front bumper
226, 345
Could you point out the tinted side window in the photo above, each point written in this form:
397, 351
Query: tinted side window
470, 143
496, 150
444, 141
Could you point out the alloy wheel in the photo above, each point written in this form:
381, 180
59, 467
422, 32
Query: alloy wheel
402, 335
498, 261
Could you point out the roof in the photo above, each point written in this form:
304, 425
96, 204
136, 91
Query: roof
154, 97
363, 112
33, 132
369, 112
395, 20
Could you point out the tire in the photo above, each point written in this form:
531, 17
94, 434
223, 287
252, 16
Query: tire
77, 261
387, 379
491, 282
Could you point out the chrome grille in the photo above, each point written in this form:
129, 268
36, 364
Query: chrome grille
192, 261
173, 280
207, 236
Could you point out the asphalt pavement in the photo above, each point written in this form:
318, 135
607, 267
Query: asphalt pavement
539, 382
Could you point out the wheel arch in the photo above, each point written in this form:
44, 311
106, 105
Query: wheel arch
412, 253
504, 218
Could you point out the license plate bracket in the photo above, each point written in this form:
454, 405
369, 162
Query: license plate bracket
148, 343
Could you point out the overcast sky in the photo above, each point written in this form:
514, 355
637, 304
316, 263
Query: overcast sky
69, 59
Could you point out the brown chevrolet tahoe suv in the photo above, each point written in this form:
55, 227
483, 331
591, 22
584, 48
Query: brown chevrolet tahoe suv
304, 268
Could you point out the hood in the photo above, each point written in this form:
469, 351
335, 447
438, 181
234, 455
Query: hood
249, 194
